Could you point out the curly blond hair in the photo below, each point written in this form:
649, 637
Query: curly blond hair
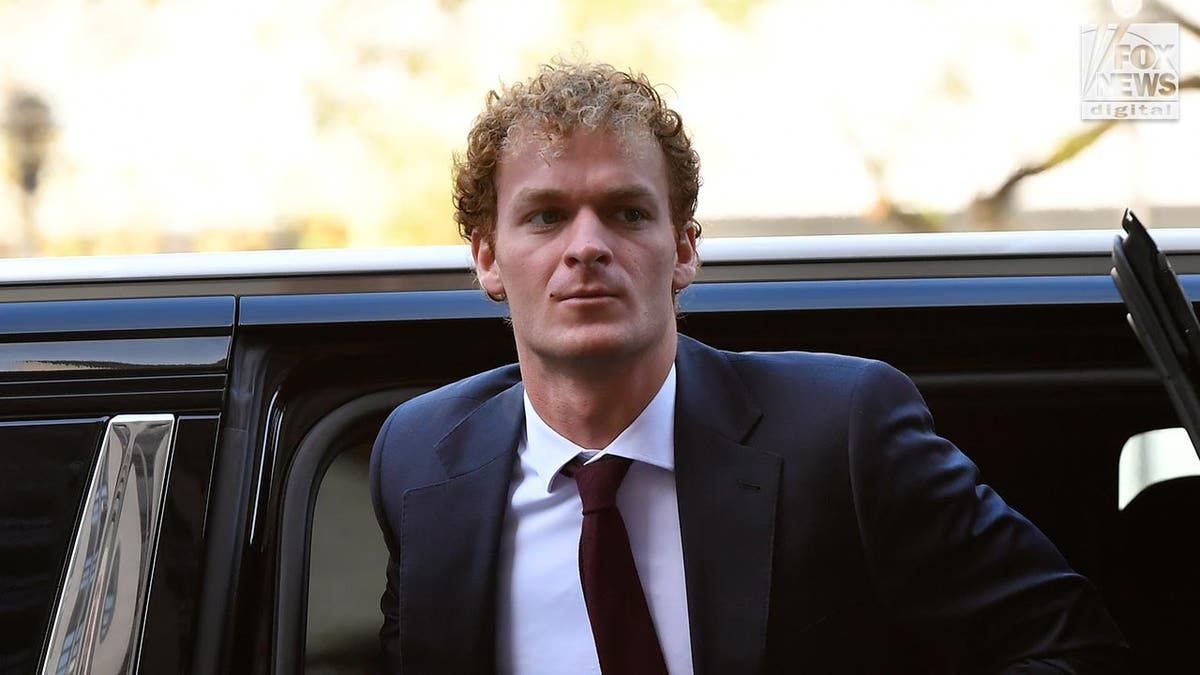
560, 99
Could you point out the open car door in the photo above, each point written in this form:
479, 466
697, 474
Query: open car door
1162, 317
1154, 591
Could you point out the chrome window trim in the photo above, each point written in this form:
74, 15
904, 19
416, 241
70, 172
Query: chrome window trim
457, 258
98, 621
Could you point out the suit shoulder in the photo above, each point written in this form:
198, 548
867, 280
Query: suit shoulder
838, 377
808, 365
402, 454
429, 416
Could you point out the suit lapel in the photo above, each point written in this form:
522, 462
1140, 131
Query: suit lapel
450, 535
727, 498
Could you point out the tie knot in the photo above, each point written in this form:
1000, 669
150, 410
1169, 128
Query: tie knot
598, 482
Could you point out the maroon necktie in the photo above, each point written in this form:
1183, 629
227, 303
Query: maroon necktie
625, 639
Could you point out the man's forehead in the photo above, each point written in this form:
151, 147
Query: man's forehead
522, 141
603, 164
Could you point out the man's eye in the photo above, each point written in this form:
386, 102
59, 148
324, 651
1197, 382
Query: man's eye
631, 215
545, 217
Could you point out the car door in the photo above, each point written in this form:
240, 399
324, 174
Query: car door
1157, 591
109, 410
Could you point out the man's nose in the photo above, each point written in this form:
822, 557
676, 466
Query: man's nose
588, 242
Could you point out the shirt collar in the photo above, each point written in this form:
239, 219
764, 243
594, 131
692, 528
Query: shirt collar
650, 438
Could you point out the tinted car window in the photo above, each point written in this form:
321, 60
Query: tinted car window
346, 575
44, 470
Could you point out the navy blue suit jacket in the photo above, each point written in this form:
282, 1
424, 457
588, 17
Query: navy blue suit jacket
826, 529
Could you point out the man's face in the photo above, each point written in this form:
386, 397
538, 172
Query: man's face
585, 251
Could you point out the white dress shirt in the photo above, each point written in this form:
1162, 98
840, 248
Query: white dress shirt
542, 623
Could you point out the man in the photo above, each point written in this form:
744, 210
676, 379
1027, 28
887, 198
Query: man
781, 513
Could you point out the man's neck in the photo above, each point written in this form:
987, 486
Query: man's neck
591, 406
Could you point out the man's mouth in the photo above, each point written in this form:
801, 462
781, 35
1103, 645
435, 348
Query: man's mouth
588, 294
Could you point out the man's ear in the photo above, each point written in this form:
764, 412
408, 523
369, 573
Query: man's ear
486, 268
687, 260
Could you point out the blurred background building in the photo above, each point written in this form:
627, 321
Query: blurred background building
183, 125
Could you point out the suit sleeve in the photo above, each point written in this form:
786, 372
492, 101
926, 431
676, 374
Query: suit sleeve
389, 633
952, 560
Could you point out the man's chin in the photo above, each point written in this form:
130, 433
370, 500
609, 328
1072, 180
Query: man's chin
594, 349
591, 348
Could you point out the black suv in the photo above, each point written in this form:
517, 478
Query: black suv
184, 438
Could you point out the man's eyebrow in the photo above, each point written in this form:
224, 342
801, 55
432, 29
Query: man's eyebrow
538, 195
627, 193
533, 195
